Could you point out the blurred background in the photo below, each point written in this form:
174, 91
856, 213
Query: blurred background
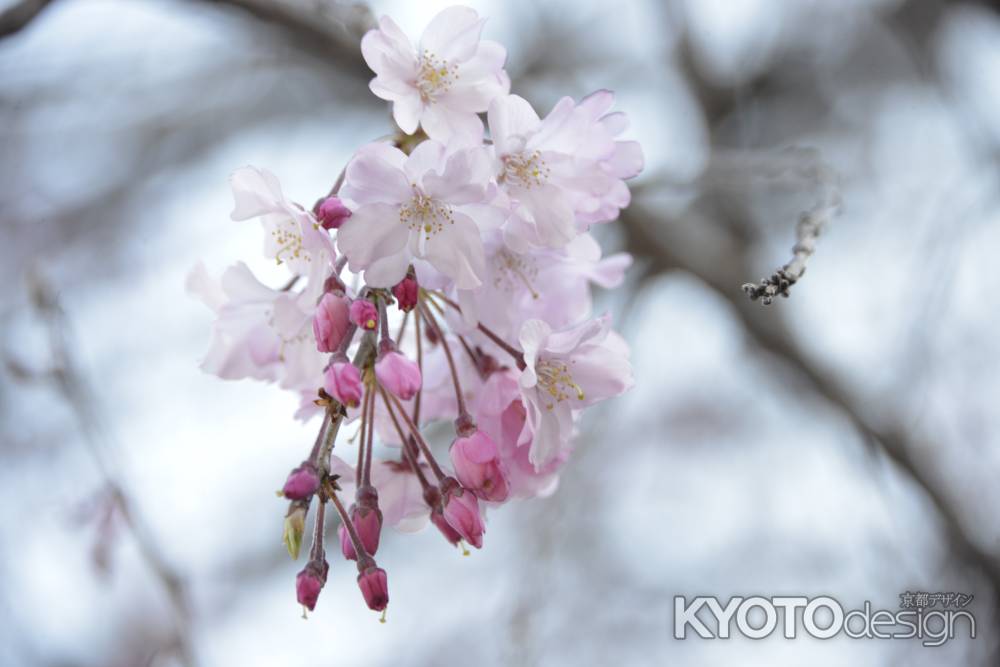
844, 441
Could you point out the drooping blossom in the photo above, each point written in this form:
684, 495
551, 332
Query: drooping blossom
502, 415
445, 81
485, 248
259, 332
292, 235
566, 371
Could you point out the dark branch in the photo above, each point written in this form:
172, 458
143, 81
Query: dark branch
19, 15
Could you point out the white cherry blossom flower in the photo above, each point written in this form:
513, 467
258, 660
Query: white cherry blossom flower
292, 236
428, 206
442, 83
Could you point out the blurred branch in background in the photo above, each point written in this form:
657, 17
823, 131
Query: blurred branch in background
73, 388
20, 14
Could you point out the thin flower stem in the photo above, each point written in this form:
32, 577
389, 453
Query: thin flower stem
413, 430
334, 417
317, 552
314, 453
500, 342
463, 413
473, 356
362, 434
366, 477
407, 453
420, 365
359, 548
383, 321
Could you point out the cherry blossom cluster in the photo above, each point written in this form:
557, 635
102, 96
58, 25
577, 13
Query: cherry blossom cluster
446, 277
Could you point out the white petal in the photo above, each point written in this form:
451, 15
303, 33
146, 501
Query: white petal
453, 34
371, 233
511, 120
406, 111
451, 126
388, 271
457, 252
428, 156
534, 337
256, 192
375, 175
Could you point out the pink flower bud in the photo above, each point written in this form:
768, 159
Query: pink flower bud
364, 314
398, 374
477, 465
309, 582
374, 586
302, 482
461, 511
449, 533
332, 213
331, 322
343, 382
406, 291
368, 524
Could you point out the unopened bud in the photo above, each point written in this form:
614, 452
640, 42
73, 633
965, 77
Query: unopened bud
310, 581
406, 291
302, 482
332, 213
461, 511
331, 322
477, 465
364, 314
374, 586
342, 380
399, 375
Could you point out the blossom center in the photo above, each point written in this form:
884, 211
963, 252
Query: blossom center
434, 76
525, 169
555, 380
425, 215
287, 239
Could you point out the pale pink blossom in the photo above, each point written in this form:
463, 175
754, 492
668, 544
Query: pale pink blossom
550, 284
442, 83
260, 332
292, 236
501, 414
427, 206
566, 371
561, 172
